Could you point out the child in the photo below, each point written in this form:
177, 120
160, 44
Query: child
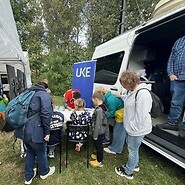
79, 117
100, 122
3, 104
56, 123
69, 97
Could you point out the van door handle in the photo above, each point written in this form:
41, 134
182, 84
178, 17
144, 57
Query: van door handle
114, 89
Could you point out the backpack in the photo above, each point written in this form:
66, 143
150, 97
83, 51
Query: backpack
17, 109
157, 105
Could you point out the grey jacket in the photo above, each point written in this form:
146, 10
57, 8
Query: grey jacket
99, 119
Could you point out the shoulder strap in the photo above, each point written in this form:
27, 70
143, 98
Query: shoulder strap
138, 91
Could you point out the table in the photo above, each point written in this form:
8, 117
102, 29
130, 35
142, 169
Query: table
67, 113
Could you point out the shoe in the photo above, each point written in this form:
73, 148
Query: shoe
182, 133
168, 126
77, 148
93, 156
106, 142
51, 155
121, 172
95, 163
51, 172
34, 174
23, 154
109, 151
136, 169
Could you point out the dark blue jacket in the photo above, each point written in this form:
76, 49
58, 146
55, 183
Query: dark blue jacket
40, 111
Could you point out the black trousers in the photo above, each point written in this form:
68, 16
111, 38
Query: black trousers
99, 148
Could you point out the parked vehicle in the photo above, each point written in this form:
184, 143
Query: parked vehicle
148, 47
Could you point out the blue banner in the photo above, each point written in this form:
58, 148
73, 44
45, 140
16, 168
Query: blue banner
83, 79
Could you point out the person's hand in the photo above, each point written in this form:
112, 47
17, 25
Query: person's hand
173, 77
69, 108
117, 95
95, 139
46, 138
4, 96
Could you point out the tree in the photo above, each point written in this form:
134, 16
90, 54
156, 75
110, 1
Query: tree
138, 11
102, 21
30, 28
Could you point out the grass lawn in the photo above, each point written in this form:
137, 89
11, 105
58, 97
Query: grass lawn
154, 169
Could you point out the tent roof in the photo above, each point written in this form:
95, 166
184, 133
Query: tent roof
10, 47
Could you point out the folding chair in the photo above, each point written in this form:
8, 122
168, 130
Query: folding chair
58, 141
77, 128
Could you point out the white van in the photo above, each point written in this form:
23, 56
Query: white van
146, 47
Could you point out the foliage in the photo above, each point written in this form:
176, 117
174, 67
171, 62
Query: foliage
29, 23
138, 12
102, 21
58, 33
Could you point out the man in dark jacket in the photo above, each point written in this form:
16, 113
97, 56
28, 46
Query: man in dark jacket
37, 133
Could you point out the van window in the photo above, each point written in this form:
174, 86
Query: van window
107, 68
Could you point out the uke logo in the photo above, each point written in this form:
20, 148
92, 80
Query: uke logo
84, 72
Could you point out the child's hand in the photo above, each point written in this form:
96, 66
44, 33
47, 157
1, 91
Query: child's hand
46, 138
4, 96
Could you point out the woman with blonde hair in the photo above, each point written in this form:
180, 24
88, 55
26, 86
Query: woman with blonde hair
137, 119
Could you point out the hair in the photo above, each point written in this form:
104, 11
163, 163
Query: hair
43, 84
98, 94
45, 80
130, 78
76, 95
102, 90
79, 103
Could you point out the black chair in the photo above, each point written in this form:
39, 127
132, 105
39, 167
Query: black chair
71, 128
56, 139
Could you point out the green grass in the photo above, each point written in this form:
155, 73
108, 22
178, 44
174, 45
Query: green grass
154, 169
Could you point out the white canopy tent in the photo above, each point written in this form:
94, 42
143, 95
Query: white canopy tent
10, 48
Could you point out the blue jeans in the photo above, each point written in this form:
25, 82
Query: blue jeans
133, 143
119, 135
177, 103
36, 150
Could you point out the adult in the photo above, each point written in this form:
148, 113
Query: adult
37, 133
3, 104
176, 73
69, 97
115, 114
137, 119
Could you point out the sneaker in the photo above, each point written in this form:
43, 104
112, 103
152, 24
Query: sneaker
93, 156
136, 169
34, 174
23, 154
77, 148
95, 163
168, 126
121, 172
106, 142
51, 172
51, 155
109, 151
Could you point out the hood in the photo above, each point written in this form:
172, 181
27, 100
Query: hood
37, 88
144, 85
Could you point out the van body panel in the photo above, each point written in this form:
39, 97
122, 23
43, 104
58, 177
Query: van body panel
146, 50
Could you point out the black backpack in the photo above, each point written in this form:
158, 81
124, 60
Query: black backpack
157, 105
